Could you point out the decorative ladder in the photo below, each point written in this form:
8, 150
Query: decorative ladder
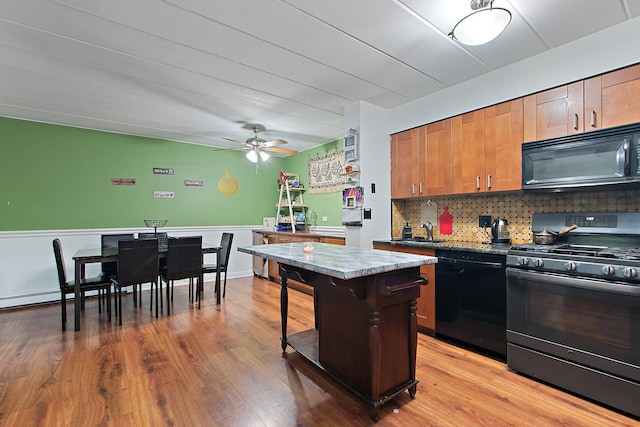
286, 188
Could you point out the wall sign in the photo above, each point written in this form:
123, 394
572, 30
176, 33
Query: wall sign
163, 194
123, 181
163, 171
192, 183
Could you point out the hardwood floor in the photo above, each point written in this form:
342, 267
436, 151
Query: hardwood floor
223, 366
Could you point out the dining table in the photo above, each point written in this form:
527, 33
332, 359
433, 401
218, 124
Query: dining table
99, 255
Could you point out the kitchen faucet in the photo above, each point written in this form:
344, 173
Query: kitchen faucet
429, 227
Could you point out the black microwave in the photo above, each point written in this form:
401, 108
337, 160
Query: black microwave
608, 158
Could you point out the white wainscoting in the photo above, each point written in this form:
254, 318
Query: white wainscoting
28, 272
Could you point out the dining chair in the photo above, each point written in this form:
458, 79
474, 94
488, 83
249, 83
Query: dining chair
225, 243
184, 261
109, 242
137, 264
94, 283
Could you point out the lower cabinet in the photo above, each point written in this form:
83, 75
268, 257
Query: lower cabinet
426, 309
284, 237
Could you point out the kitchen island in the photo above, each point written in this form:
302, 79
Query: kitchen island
365, 333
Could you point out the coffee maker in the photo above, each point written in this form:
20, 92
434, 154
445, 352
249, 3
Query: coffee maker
500, 231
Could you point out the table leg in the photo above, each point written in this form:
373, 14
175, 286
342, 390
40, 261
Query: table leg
77, 298
218, 276
284, 308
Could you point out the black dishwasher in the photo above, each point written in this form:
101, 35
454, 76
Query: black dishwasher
471, 300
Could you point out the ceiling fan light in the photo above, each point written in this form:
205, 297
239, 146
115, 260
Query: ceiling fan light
252, 156
482, 26
264, 155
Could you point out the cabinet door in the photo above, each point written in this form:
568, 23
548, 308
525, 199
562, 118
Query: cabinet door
406, 154
503, 135
554, 112
438, 175
612, 99
468, 152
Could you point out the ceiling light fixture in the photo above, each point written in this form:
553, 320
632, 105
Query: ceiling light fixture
252, 155
481, 26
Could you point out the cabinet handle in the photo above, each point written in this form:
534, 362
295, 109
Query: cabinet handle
413, 189
488, 181
420, 188
478, 182
593, 118
575, 121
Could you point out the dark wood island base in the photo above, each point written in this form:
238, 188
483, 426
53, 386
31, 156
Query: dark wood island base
366, 330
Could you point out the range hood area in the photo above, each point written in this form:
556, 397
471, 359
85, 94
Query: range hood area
601, 159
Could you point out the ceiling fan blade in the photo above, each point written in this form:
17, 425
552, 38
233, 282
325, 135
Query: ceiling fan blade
280, 150
274, 142
234, 140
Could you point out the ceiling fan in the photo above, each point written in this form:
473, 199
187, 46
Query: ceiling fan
258, 148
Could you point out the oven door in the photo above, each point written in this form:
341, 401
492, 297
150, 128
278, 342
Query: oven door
590, 322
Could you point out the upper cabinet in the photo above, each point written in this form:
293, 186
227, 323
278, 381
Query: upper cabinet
468, 152
503, 137
612, 99
554, 112
407, 164
608, 100
487, 149
421, 161
437, 137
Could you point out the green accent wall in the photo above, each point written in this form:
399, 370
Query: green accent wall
58, 177
329, 204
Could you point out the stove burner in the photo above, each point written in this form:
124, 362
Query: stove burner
582, 250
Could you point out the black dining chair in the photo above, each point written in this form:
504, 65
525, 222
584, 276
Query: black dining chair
225, 243
137, 264
108, 243
184, 261
95, 283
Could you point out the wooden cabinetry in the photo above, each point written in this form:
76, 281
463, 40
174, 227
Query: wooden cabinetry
407, 160
438, 174
426, 303
503, 137
612, 99
554, 112
608, 100
467, 135
487, 149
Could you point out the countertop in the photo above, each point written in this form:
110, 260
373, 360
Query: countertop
494, 248
265, 232
342, 262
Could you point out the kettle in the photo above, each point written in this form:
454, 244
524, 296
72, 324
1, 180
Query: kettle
500, 231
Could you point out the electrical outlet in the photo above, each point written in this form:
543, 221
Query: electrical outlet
484, 221
324, 219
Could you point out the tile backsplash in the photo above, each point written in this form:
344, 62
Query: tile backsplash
517, 207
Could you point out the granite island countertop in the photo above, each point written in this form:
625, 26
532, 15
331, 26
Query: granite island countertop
342, 262
494, 248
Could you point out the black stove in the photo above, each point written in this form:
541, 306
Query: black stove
573, 308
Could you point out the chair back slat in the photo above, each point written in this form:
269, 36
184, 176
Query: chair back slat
62, 272
225, 242
137, 261
184, 257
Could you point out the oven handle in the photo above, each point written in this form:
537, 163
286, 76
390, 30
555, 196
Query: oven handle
574, 282
462, 262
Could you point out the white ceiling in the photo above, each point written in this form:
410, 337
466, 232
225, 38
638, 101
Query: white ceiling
201, 70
